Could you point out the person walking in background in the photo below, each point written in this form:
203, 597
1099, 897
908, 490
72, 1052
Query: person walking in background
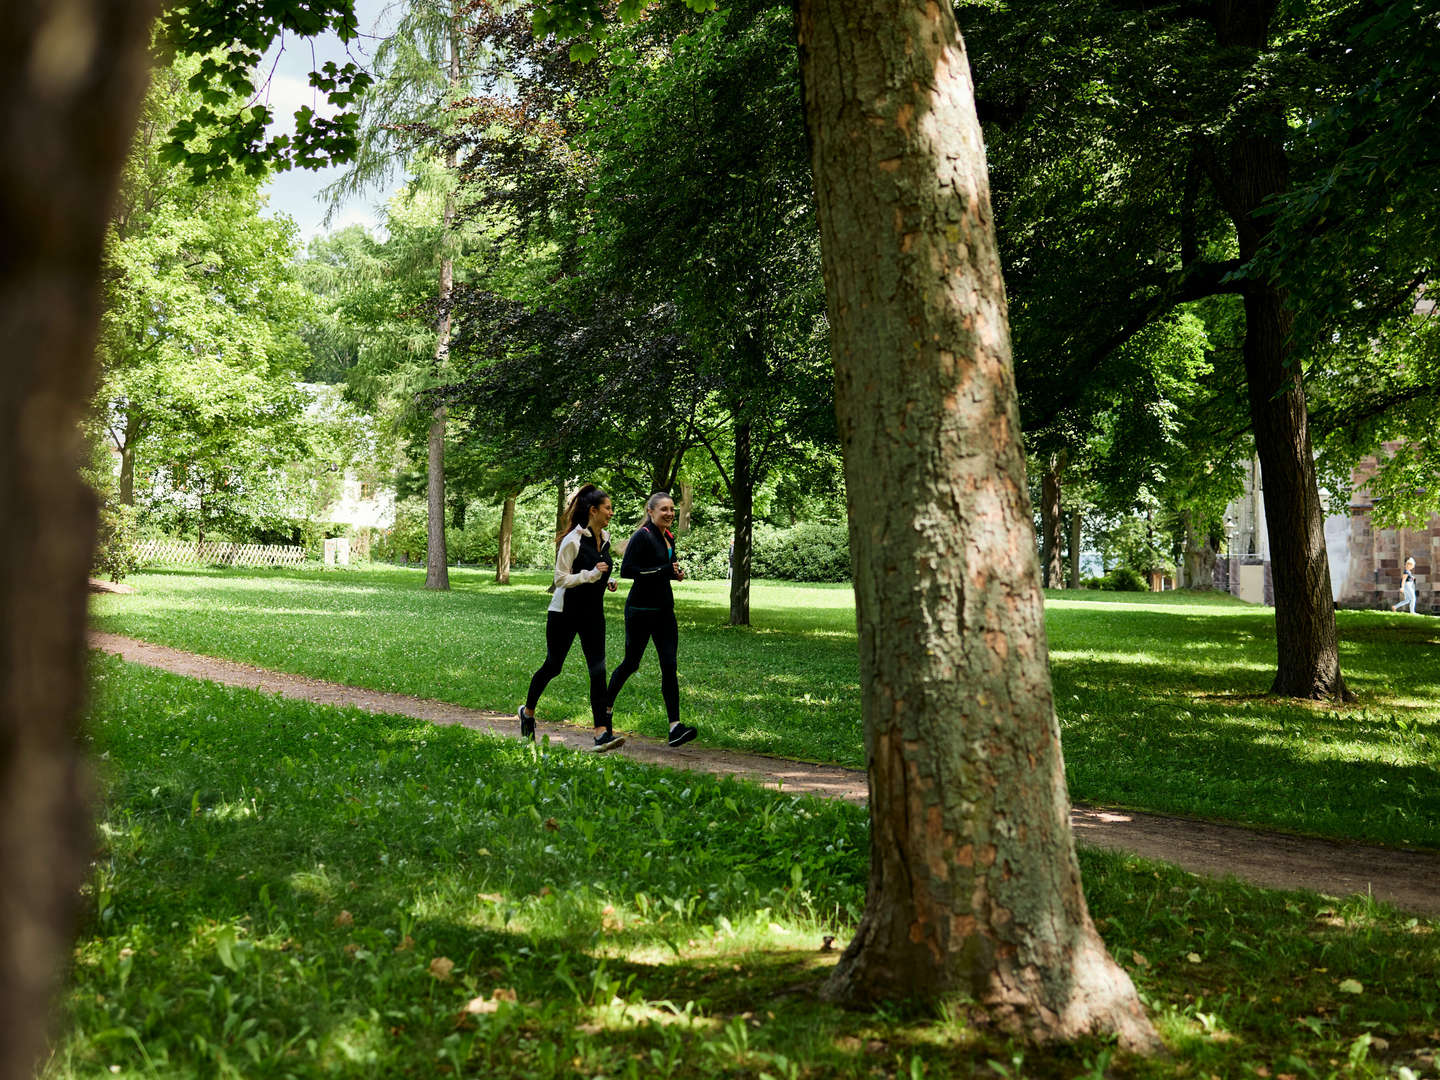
1407, 587
651, 561
582, 574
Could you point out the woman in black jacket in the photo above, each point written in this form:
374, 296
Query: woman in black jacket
651, 562
582, 574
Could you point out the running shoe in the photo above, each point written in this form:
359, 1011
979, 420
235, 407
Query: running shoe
608, 740
527, 724
680, 734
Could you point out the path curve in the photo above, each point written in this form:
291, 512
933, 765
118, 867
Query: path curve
1408, 879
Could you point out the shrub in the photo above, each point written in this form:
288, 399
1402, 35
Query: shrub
1124, 579
116, 537
810, 551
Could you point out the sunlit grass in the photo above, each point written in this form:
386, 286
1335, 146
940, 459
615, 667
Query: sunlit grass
1161, 697
286, 890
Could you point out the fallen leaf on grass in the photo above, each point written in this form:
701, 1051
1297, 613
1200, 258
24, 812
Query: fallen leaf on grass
1139, 958
477, 1006
1351, 986
407, 942
1193, 957
441, 967
492, 897
344, 919
552, 824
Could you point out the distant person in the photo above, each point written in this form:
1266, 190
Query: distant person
582, 574
1407, 587
650, 560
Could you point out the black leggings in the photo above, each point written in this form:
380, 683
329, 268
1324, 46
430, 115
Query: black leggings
561, 629
640, 628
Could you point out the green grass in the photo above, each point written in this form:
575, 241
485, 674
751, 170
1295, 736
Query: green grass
280, 888
1161, 697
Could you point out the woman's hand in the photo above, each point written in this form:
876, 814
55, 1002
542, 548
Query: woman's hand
602, 566
679, 574
612, 586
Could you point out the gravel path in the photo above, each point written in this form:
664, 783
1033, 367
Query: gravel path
1408, 879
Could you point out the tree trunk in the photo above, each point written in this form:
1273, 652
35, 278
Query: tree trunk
742, 494
1050, 524
1199, 561
127, 460
1245, 173
65, 129
1306, 639
683, 507
507, 531
1076, 530
437, 569
974, 886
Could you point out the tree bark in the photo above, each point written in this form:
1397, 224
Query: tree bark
71, 84
742, 497
1076, 538
1245, 172
1199, 561
507, 531
127, 460
683, 507
974, 886
437, 569
1050, 524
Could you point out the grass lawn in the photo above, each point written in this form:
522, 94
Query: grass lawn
289, 890
1160, 696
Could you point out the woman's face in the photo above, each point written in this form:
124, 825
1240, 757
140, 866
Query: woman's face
600, 514
664, 513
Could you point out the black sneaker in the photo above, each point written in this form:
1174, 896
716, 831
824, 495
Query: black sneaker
680, 734
527, 724
608, 740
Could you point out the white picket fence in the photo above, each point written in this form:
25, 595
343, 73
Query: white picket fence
184, 553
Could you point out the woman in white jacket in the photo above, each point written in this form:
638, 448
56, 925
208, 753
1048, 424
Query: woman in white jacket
582, 574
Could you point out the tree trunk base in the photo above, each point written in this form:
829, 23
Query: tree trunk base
1312, 689
1097, 998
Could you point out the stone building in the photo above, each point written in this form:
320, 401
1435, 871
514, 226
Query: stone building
1365, 561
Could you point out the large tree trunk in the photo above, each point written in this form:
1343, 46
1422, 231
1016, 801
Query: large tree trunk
72, 79
507, 531
1076, 536
127, 460
742, 495
974, 886
1050, 524
684, 505
1307, 642
437, 570
1245, 173
1199, 564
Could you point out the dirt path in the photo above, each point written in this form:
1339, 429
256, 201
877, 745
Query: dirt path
1407, 879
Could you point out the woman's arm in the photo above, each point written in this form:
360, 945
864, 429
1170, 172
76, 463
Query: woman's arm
565, 560
641, 558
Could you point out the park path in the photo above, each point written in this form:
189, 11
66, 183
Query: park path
1408, 879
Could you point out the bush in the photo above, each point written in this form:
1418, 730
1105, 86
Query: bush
810, 551
115, 538
1124, 579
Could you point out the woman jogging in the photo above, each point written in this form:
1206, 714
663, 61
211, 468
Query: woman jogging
650, 609
582, 574
1407, 587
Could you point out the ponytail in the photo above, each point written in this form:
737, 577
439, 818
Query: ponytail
577, 510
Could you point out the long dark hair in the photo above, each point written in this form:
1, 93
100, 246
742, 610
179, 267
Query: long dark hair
577, 511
